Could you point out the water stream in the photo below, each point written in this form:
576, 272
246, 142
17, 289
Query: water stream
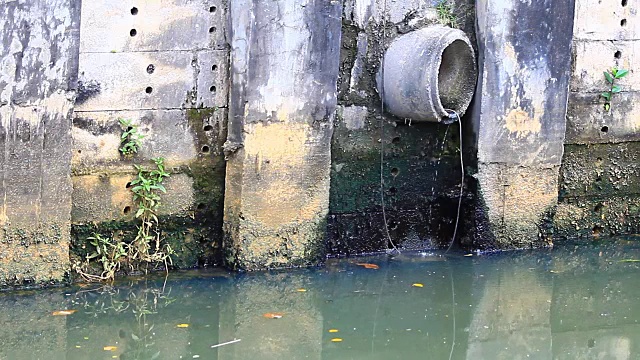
566, 303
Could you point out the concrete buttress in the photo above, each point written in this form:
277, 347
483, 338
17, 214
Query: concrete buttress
284, 67
519, 115
38, 70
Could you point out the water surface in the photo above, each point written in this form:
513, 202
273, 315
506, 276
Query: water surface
565, 303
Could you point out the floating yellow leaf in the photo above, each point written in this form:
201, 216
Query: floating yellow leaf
63, 312
110, 348
368, 266
182, 325
417, 285
301, 290
468, 255
336, 340
333, 330
273, 315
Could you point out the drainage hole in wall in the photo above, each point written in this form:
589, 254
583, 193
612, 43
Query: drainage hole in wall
212, 29
148, 90
134, 11
151, 69
395, 172
395, 140
207, 128
597, 230
200, 206
214, 67
213, 9
128, 186
617, 55
205, 149
604, 129
623, 22
393, 225
126, 210
212, 89
624, 2
133, 32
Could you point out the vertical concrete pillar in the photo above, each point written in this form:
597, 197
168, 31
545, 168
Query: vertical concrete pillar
38, 69
519, 114
284, 68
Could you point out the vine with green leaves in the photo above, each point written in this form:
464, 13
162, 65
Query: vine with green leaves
611, 76
146, 248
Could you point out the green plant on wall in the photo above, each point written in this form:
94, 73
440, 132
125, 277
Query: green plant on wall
130, 139
146, 188
446, 15
146, 248
611, 77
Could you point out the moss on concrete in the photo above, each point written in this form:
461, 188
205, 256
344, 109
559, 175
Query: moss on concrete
599, 191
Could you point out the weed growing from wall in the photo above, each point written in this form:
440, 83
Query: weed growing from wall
146, 248
130, 139
611, 77
446, 15
146, 188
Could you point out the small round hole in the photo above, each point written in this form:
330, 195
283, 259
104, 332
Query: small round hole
214, 67
395, 140
151, 69
200, 206
134, 11
212, 29
617, 55
148, 90
623, 22
133, 32
126, 210
597, 230
212, 89
395, 172
624, 2
213, 9
205, 149
207, 128
128, 186
79, 151
604, 129
393, 191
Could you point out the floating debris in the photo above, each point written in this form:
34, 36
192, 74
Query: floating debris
63, 312
368, 266
273, 315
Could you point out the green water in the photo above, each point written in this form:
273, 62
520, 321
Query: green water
569, 303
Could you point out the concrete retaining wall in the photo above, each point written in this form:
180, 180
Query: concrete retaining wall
164, 66
38, 69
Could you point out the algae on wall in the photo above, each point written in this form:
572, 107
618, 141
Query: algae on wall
421, 166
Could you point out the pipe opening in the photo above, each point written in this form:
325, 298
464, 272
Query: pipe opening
454, 82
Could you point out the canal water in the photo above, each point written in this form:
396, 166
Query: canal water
571, 302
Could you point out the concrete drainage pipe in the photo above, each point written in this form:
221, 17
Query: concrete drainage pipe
427, 71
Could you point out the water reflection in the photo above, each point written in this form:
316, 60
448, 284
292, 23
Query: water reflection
571, 303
